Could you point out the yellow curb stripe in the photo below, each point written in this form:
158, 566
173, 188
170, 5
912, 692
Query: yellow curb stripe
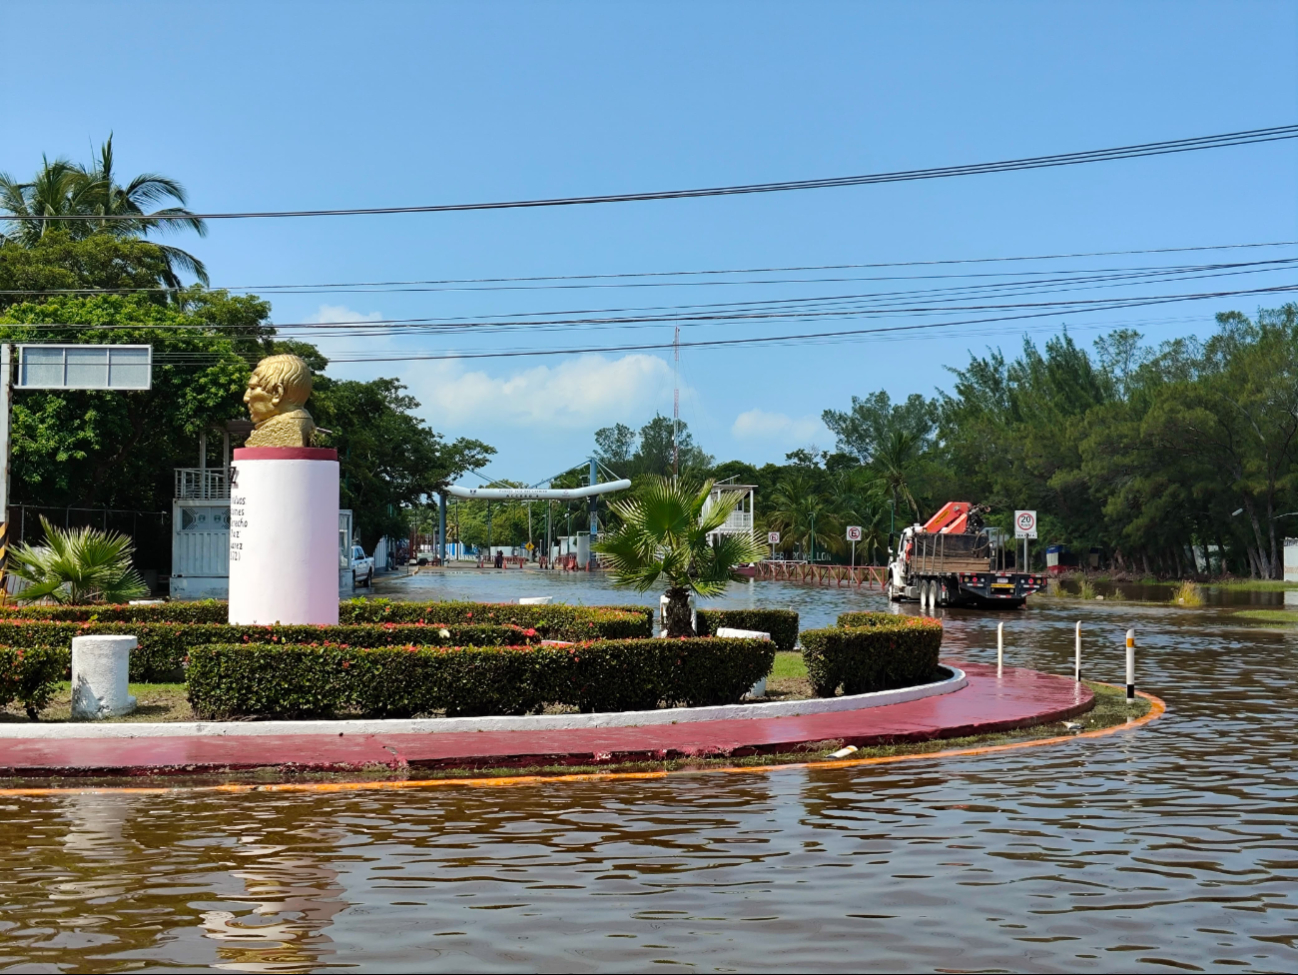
1157, 708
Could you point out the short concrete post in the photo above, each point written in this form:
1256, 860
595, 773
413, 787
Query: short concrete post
1000, 647
1131, 665
1077, 655
100, 673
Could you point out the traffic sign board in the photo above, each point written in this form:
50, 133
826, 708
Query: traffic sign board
853, 533
1025, 524
772, 538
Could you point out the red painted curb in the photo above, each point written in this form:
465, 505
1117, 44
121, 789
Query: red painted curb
1018, 699
285, 453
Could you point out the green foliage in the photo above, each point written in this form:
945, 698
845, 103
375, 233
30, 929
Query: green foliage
164, 647
389, 458
663, 541
80, 565
30, 676
781, 624
291, 681
63, 188
650, 451
878, 652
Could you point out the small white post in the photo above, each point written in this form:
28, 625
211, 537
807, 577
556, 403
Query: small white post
1000, 647
1077, 654
1131, 665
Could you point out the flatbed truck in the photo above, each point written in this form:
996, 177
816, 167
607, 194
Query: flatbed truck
953, 560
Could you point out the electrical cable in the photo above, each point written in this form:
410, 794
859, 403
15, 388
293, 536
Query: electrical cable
1222, 140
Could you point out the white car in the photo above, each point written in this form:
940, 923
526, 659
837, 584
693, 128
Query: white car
362, 568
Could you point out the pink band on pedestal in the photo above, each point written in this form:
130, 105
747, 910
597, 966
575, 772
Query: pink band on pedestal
285, 453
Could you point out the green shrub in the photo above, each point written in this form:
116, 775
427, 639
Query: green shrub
896, 651
164, 646
781, 624
557, 622
867, 619
294, 680
30, 676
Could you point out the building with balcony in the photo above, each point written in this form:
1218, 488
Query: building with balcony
741, 518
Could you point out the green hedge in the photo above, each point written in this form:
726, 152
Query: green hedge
164, 646
558, 622
30, 676
781, 624
867, 619
899, 651
292, 681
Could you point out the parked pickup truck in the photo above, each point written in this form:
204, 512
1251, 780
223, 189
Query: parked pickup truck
362, 568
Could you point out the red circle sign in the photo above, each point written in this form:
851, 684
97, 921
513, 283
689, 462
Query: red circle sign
1027, 521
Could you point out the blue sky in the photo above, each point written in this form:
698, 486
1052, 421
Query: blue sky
296, 105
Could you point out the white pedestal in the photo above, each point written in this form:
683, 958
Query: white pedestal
284, 535
758, 689
100, 671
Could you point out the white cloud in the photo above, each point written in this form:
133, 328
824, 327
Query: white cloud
761, 425
329, 314
588, 391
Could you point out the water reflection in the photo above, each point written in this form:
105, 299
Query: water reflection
1173, 847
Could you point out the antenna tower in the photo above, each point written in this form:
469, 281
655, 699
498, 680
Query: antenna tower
676, 400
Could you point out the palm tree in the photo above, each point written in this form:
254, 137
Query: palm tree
63, 188
801, 514
897, 462
663, 540
80, 565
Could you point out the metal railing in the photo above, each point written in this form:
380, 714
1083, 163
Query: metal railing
202, 483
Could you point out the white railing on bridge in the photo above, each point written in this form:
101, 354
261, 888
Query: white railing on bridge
202, 483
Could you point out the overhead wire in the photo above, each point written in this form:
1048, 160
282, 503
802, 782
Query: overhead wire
1166, 147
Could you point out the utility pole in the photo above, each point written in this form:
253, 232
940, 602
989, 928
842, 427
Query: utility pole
676, 402
594, 513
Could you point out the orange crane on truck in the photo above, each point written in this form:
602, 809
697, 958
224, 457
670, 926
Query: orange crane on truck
954, 560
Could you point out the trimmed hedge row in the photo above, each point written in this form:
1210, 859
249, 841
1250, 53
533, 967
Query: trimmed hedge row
29, 675
893, 651
558, 622
781, 624
164, 647
294, 681
866, 619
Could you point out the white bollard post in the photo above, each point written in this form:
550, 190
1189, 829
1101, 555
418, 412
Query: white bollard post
1000, 647
100, 672
1077, 655
1131, 665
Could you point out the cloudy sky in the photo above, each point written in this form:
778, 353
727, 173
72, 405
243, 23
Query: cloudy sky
278, 106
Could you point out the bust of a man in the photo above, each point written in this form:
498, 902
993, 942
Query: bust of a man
276, 396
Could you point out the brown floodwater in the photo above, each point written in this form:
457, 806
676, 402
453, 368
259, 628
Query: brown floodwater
1173, 847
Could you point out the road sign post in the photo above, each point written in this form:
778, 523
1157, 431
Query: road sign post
853, 536
119, 367
1025, 527
773, 539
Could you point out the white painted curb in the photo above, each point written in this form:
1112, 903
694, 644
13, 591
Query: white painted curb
527, 722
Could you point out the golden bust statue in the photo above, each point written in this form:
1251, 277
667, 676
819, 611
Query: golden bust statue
276, 395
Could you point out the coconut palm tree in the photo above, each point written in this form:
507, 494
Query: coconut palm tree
79, 565
897, 463
63, 188
802, 515
663, 541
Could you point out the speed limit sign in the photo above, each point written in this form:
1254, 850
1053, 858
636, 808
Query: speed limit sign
853, 533
1025, 524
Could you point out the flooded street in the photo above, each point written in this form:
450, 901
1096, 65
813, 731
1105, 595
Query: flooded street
1174, 847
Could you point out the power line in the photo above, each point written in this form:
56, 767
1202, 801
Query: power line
1223, 140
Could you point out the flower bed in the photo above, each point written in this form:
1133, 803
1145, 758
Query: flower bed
164, 647
874, 652
304, 680
558, 622
781, 624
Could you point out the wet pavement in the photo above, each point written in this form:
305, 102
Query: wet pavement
1174, 847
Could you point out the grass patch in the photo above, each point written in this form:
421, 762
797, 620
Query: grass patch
1285, 617
155, 702
1254, 585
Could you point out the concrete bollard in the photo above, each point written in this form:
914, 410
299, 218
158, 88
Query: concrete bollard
100, 672
1131, 665
534, 600
1000, 647
758, 689
1077, 655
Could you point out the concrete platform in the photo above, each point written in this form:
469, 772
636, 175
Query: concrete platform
1020, 698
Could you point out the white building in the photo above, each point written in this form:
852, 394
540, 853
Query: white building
740, 520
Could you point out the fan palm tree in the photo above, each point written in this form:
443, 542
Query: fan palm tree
79, 565
663, 541
63, 188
